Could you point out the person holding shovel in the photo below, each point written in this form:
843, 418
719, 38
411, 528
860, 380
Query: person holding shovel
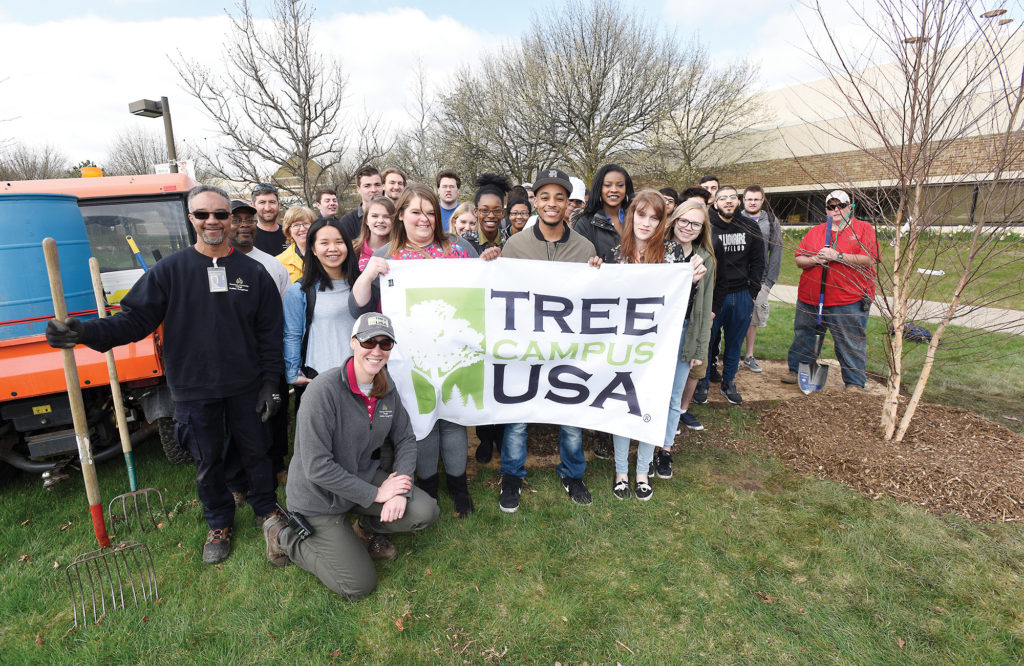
848, 288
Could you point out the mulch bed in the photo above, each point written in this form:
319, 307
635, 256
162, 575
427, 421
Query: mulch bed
951, 460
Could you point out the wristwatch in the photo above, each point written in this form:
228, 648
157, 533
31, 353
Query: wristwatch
840, 258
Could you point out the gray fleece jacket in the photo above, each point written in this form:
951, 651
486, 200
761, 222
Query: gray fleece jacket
771, 234
335, 441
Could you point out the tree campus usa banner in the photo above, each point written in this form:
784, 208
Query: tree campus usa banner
544, 342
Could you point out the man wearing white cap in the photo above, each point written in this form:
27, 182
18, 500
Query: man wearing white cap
850, 256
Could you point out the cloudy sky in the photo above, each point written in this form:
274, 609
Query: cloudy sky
69, 68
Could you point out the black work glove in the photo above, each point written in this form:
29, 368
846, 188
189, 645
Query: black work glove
268, 402
64, 335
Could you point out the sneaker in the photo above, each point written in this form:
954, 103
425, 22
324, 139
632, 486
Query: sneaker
643, 491
789, 378
731, 394
218, 545
715, 375
700, 394
664, 464
511, 488
603, 447
239, 497
577, 490
271, 528
690, 421
750, 363
621, 489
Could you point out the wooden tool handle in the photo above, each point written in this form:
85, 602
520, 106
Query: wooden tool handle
115, 385
92, 486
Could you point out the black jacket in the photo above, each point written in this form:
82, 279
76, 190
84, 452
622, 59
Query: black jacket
599, 230
739, 256
215, 345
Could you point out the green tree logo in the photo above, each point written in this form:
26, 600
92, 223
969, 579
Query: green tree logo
449, 365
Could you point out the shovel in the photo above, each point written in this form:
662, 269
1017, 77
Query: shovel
108, 571
812, 376
136, 499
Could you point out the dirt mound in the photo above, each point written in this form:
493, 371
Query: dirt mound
951, 459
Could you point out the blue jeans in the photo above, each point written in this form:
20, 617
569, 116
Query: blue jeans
644, 455
678, 385
734, 319
570, 448
848, 326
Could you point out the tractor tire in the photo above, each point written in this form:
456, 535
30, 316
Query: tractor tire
176, 455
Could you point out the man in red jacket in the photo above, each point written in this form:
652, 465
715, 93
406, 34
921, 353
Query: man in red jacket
849, 290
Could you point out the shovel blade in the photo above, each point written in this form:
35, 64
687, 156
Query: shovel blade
811, 377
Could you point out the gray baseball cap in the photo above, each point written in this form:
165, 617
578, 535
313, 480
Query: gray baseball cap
372, 324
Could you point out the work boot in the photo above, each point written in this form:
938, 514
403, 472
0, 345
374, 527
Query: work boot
378, 545
272, 526
459, 493
428, 484
218, 545
603, 446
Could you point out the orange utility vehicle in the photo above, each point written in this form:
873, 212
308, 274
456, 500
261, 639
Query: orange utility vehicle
36, 433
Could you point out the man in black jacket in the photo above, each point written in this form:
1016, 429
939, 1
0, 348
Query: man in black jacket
223, 333
739, 257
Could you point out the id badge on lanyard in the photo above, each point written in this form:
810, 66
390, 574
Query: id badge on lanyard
218, 278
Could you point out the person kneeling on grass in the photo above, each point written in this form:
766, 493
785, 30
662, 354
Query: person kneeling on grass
346, 415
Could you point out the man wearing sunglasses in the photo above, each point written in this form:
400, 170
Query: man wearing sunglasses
222, 354
849, 289
268, 235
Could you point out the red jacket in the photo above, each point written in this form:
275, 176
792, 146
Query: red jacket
844, 284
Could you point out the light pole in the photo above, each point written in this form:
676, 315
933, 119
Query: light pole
147, 108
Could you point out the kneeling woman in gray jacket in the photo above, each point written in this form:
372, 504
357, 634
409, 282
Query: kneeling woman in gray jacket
346, 415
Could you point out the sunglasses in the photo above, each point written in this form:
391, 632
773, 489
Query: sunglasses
385, 344
835, 206
204, 214
263, 188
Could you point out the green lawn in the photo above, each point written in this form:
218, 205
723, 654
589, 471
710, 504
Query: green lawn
999, 286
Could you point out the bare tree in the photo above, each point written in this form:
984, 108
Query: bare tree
24, 162
934, 96
418, 149
135, 150
278, 103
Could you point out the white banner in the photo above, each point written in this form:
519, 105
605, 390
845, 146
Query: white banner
542, 342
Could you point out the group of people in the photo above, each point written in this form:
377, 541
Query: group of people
240, 334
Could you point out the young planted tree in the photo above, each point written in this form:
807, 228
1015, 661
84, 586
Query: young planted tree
931, 102
278, 103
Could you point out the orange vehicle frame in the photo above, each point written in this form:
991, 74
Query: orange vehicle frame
29, 367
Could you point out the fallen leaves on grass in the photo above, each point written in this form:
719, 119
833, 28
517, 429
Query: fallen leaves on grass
939, 609
766, 598
65, 526
25, 522
336, 654
25, 559
56, 564
900, 642
39, 639
624, 646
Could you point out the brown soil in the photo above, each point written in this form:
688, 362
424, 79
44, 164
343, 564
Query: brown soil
952, 460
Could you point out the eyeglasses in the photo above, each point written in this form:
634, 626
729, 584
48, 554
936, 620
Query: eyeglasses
488, 212
204, 214
836, 206
300, 225
385, 344
519, 215
683, 224
263, 188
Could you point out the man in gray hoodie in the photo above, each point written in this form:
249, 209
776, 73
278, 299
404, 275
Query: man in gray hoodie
771, 236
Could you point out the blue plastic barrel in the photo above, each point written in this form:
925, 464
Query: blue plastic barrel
25, 220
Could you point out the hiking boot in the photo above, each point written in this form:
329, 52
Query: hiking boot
459, 493
511, 488
663, 462
643, 491
378, 545
603, 446
218, 545
750, 363
271, 528
621, 489
700, 394
789, 378
239, 497
715, 376
731, 394
577, 490
690, 421
484, 452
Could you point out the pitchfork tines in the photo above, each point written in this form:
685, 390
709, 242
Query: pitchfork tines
119, 574
135, 502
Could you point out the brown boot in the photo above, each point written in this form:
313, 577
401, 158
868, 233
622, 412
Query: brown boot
378, 545
272, 526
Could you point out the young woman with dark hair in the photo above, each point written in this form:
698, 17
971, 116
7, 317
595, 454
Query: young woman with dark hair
317, 315
611, 193
490, 208
518, 213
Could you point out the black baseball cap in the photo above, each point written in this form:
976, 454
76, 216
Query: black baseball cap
237, 204
553, 176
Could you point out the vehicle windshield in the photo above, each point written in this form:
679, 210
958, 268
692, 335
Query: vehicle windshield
158, 225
